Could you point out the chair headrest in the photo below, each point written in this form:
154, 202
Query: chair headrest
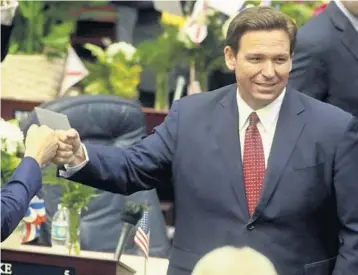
97, 118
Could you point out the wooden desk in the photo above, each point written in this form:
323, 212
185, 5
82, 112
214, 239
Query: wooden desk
91, 262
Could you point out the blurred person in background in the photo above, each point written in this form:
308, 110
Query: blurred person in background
325, 61
41, 145
7, 9
229, 260
128, 12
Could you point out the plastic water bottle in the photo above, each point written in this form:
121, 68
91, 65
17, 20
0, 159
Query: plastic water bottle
60, 229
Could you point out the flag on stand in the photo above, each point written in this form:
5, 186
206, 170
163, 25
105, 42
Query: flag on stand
196, 26
75, 71
142, 235
34, 217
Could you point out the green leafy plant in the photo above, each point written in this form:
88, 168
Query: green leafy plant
299, 11
174, 48
160, 55
116, 70
207, 55
44, 27
75, 197
11, 148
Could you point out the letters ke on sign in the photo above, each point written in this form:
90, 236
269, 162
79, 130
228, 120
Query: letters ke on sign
18, 268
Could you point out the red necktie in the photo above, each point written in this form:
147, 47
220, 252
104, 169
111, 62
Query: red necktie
253, 163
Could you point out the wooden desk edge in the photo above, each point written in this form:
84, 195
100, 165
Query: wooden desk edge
34, 250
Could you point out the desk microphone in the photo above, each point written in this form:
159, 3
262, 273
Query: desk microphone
129, 219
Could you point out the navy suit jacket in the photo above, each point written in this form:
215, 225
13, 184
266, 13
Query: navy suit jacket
17, 194
325, 61
306, 221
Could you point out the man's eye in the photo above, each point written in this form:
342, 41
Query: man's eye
281, 60
255, 59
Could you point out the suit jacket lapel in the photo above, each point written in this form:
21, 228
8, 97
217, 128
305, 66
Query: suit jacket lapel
342, 24
289, 127
350, 40
227, 135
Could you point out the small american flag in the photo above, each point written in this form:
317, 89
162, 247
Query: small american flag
141, 238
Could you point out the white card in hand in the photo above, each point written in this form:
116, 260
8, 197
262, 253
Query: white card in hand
55, 121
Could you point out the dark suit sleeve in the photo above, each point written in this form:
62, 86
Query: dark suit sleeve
346, 189
139, 167
17, 194
5, 40
309, 71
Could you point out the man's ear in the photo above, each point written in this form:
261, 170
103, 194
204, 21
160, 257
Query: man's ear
230, 58
291, 61
291, 65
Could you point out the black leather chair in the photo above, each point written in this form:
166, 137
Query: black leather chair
112, 121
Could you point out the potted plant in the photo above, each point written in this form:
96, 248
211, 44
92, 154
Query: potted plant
75, 197
160, 56
39, 42
206, 56
174, 48
116, 70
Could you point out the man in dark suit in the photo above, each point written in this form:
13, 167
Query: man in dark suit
41, 146
253, 164
7, 15
325, 62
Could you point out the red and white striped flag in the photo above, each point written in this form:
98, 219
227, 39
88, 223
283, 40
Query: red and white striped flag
196, 26
75, 71
142, 235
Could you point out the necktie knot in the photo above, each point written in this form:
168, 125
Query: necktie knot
254, 119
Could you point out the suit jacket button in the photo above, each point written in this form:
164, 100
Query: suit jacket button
250, 227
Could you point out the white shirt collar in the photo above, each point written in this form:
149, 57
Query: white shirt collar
267, 115
351, 18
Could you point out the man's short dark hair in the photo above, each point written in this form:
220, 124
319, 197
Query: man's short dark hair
259, 19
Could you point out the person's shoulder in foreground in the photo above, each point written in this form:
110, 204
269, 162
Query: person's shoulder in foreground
230, 260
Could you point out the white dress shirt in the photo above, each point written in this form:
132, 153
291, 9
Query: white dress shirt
69, 171
8, 12
351, 18
267, 125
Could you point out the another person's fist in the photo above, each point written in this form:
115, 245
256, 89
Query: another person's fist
41, 144
69, 151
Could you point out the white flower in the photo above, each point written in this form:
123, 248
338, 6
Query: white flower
127, 49
11, 136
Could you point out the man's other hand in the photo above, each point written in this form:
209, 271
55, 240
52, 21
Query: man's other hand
41, 144
69, 151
